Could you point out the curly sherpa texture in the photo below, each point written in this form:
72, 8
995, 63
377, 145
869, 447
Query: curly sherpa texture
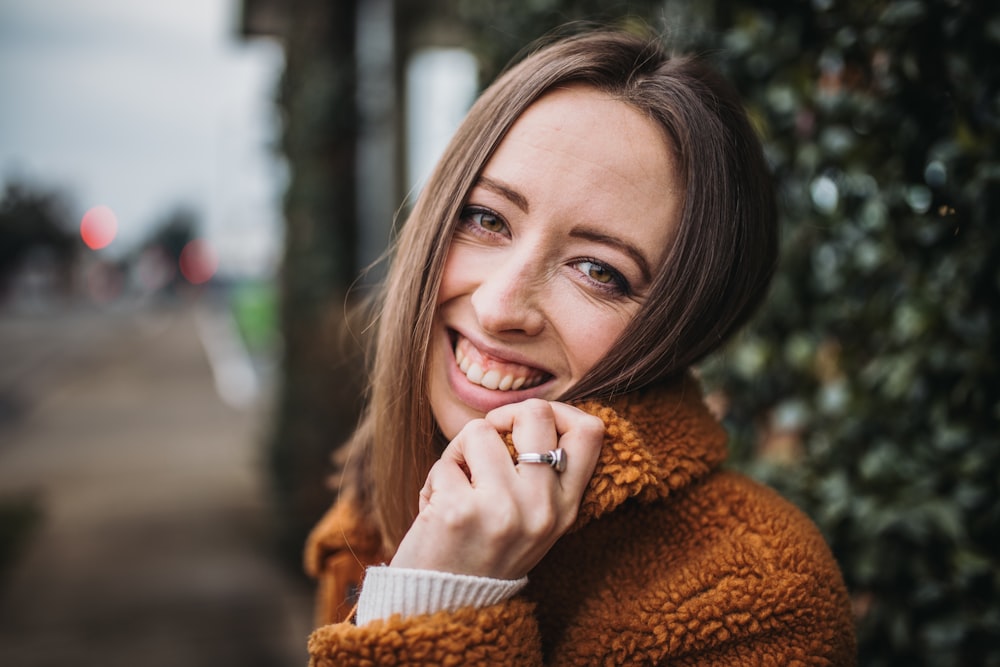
671, 562
498, 635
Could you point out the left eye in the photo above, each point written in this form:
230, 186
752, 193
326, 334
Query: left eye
597, 272
602, 275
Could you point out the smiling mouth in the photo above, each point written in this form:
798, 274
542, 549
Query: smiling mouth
491, 373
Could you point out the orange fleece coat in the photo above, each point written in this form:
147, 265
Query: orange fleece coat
672, 561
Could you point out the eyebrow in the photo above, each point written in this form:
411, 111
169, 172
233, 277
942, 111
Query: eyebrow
505, 191
521, 202
627, 248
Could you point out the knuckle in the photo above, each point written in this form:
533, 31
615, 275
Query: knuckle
500, 526
476, 431
537, 408
475, 427
541, 522
458, 516
568, 519
505, 520
592, 426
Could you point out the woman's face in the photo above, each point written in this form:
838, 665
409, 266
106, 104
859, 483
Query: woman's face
554, 253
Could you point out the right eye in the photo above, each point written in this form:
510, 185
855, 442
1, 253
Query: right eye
481, 220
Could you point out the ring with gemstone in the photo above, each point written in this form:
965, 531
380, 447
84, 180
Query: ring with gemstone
555, 458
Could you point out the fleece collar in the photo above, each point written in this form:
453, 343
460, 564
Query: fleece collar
657, 441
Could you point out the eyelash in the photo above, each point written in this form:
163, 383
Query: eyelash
616, 286
468, 213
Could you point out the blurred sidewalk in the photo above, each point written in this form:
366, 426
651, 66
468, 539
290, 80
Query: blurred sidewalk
153, 543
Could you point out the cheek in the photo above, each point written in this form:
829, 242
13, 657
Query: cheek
590, 349
588, 335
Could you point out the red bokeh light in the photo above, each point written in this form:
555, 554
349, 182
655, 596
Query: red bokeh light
198, 261
99, 227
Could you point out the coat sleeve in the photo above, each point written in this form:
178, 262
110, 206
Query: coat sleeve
338, 550
502, 634
797, 624
770, 593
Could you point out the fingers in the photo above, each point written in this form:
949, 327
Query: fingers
541, 426
532, 426
470, 516
480, 451
444, 474
582, 436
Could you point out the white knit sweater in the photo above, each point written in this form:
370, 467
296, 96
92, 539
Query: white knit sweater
408, 592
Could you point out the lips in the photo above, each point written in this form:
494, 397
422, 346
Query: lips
493, 373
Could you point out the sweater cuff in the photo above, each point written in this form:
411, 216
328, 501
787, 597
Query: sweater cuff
408, 592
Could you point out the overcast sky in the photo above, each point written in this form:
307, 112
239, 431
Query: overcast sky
144, 106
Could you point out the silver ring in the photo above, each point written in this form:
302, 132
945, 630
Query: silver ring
555, 458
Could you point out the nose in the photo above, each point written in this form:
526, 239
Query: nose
507, 299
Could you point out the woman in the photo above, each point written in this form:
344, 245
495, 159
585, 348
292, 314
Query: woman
536, 479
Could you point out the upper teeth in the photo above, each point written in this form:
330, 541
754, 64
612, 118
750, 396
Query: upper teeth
492, 379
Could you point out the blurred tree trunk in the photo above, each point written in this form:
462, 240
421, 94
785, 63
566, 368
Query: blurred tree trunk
318, 401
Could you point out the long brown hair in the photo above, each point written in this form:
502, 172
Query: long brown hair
715, 272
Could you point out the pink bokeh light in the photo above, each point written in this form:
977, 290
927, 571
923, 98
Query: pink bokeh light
99, 227
198, 261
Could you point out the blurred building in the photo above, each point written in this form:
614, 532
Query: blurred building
386, 80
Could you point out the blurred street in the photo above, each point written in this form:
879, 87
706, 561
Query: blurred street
153, 541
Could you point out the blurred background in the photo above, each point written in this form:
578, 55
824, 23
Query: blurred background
194, 194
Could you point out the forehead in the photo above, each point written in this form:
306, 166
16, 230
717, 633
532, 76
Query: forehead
579, 153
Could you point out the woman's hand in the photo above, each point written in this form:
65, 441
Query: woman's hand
480, 514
